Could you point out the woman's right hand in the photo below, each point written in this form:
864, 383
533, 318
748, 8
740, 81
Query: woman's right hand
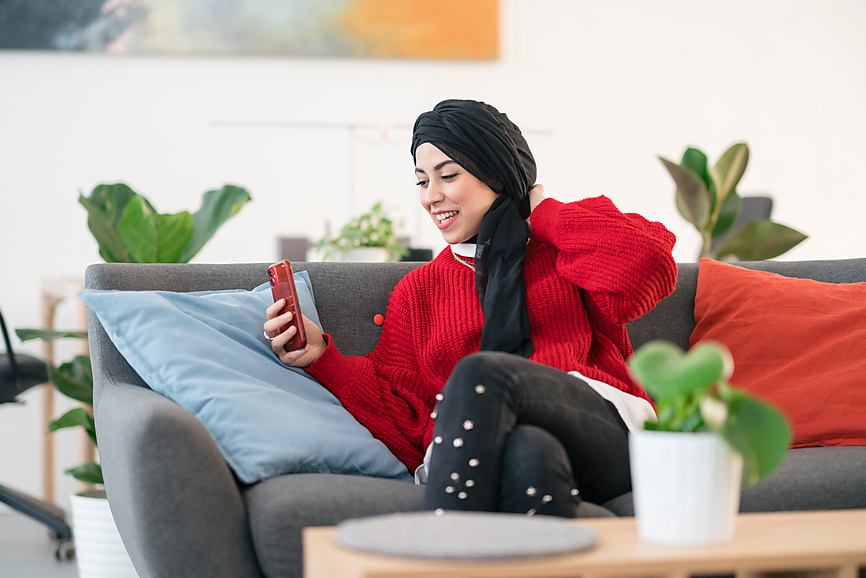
278, 330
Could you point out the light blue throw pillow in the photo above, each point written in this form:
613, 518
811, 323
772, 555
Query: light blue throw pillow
206, 351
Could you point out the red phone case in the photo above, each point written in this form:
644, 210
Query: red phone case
283, 287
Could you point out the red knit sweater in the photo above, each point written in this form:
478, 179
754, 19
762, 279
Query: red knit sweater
589, 269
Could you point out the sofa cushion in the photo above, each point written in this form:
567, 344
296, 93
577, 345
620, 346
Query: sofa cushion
206, 351
279, 508
797, 343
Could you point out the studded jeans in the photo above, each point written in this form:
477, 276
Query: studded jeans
517, 436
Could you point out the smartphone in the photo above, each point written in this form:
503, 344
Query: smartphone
283, 287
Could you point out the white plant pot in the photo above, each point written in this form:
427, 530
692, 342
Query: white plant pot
686, 487
363, 255
98, 547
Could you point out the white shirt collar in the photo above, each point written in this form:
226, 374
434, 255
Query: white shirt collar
464, 249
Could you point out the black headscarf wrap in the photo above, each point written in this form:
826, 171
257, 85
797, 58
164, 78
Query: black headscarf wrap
487, 144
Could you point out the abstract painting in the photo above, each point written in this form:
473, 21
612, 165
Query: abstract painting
425, 29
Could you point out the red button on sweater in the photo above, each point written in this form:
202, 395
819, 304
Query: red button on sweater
589, 270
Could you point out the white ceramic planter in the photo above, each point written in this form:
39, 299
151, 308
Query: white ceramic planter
98, 547
686, 487
362, 255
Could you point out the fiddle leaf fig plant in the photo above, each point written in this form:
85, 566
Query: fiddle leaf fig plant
706, 196
691, 394
130, 230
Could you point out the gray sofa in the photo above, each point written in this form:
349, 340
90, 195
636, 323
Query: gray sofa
181, 511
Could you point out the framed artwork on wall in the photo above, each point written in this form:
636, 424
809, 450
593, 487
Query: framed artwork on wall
423, 29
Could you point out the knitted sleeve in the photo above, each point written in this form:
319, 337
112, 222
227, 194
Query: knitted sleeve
623, 260
384, 390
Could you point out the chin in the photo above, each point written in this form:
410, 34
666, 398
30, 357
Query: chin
452, 239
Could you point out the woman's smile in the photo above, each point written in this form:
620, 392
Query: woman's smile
445, 219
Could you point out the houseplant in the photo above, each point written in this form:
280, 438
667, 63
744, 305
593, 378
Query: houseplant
128, 229
706, 196
688, 466
98, 546
368, 237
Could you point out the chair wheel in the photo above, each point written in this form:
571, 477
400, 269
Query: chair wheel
64, 550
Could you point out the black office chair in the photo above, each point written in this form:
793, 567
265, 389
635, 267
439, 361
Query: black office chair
18, 373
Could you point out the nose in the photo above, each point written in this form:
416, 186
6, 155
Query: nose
432, 194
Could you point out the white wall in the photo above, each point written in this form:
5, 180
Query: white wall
601, 88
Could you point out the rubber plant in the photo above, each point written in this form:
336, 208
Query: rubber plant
692, 394
706, 196
129, 230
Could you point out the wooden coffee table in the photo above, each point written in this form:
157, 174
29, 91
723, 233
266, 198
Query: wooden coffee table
821, 544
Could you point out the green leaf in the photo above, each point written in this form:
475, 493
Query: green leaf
692, 196
697, 161
137, 230
74, 418
173, 233
90, 473
74, 379
48, 334
216, 208
105, 208
727, 214
152, 237
758, 240
759, 432
666, 372
730, 168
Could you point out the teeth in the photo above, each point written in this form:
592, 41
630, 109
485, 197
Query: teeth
445, 216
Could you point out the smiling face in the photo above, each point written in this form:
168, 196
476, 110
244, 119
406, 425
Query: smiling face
453, 197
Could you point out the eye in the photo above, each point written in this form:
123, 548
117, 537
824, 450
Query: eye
422, 183
448, 177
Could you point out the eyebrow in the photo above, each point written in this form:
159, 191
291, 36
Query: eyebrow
437, 167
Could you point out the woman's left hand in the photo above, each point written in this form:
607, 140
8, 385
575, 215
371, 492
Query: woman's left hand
536, 195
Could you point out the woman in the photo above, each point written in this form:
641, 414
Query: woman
470, 380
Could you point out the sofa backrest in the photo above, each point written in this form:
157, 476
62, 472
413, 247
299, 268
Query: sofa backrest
349, 295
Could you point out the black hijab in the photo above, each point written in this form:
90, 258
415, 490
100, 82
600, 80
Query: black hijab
487, 144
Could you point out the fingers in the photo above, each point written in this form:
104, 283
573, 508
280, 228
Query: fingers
274, 309
276, 324
295, 358
279, 330
279, 342
536, 195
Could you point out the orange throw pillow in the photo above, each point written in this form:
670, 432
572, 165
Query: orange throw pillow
798, 344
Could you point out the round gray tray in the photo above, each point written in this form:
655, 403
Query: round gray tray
465, 535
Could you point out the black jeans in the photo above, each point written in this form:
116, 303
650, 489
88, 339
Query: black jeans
517, 436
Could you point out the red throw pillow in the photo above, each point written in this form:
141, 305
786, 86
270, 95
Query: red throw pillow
797, 343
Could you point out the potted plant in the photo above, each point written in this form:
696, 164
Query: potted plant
709, 439
706, 196
369, 237
128, 229
98, 546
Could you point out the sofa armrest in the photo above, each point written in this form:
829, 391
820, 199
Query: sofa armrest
175, 501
